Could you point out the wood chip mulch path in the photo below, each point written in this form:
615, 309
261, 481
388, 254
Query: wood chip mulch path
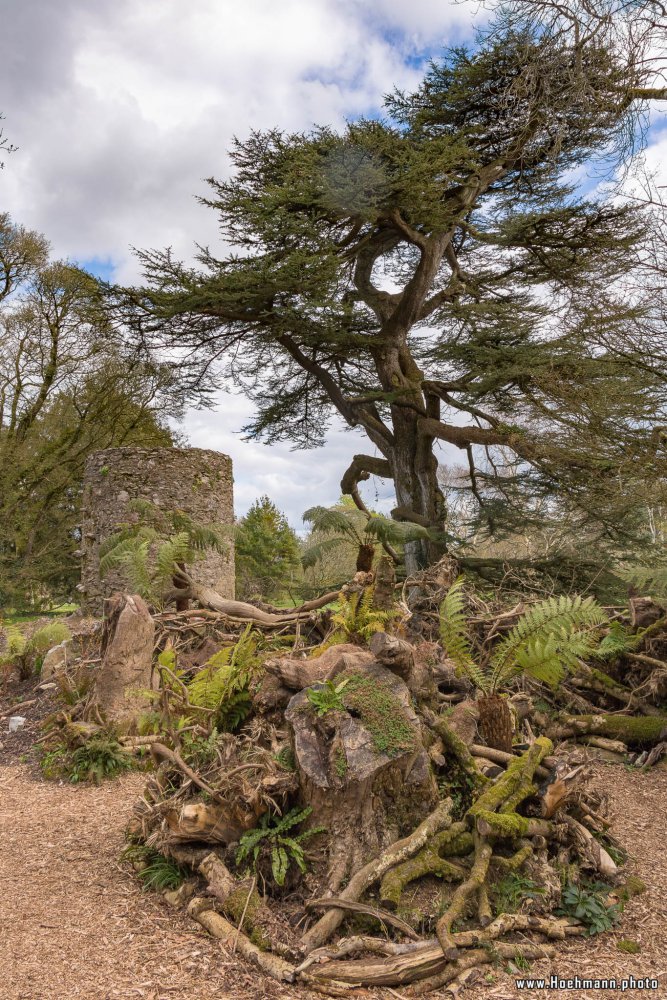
75, 923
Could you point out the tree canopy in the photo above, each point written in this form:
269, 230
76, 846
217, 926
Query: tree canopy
68, 386
266, 552
438, 276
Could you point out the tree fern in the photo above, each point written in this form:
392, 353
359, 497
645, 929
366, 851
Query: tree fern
548, 640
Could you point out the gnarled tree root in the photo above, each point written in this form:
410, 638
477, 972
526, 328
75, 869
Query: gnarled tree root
440, 818
413, 962
431, 860
482, 956
239, 899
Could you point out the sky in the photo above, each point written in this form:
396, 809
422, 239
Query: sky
121, 108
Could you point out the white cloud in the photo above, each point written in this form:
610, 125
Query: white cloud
121, 108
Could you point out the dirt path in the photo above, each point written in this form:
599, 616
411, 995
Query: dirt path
73, 920
74, 923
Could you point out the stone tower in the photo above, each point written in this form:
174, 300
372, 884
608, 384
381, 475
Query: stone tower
194, 480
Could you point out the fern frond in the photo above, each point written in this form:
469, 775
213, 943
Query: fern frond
385, 529
454, 634
326, 520
618, 641
170, 553
314, 553
548, 639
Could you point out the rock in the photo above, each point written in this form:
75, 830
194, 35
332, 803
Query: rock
124, 675
16, 722
56, 659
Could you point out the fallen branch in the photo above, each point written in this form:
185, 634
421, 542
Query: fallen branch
230, 937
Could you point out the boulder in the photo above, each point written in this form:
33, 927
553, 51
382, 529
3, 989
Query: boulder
125, 674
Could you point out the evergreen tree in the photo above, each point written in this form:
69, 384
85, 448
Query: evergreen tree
435, 277
266, 551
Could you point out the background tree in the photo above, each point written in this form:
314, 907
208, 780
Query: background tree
4, 142
68, 387
266, 553
435, 278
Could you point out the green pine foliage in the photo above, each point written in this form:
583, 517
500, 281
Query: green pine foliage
266, 553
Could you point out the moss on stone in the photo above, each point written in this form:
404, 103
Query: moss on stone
381, 713
340, 762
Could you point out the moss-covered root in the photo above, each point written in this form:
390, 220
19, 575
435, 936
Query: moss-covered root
511, 825
642, 731
239, 899
515, 785
473, 883
431, 860
457, 748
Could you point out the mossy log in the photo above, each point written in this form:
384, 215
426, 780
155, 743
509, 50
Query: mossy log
458, 749
235, 940
515, 785
474, 882
239, 899
641, 731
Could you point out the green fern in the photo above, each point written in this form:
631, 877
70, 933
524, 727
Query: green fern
548, 640
150, 552
224, 683
357, 619
617, 641
272, 834
454, 634
546, 643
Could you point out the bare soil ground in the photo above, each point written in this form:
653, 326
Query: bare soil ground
75, 923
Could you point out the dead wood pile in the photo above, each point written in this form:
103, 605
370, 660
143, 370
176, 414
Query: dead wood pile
356, 830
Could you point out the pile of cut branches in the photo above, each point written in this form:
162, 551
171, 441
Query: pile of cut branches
360, 821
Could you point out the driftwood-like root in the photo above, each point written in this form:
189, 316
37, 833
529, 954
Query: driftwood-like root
431, 860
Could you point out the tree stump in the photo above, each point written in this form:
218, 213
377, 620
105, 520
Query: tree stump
124, 675
362, 766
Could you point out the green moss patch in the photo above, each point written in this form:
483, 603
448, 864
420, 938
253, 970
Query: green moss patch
381, 713
629, 947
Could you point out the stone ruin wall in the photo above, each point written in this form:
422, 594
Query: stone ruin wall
196, 481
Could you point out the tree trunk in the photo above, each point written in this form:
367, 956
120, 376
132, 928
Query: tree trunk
417, 490
362, 768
